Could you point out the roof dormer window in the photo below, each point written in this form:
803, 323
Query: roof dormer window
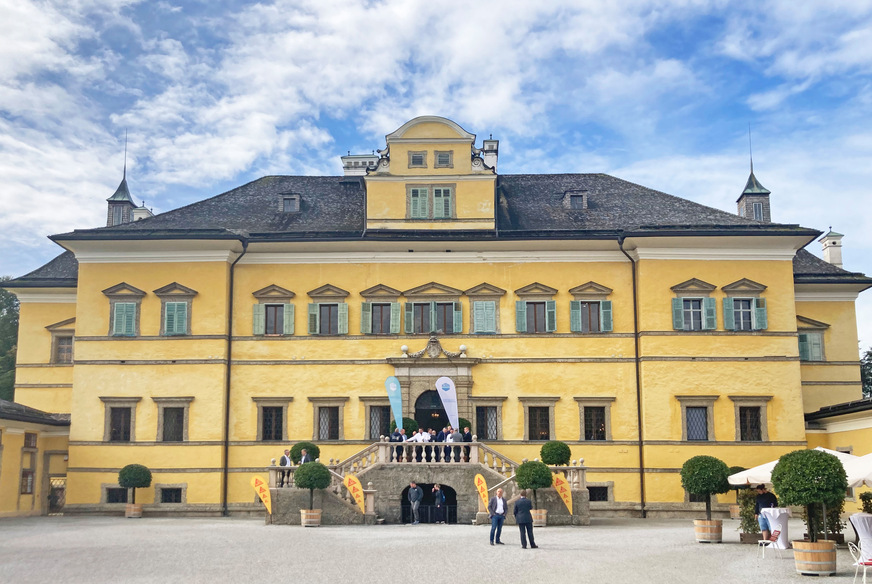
290, 203
575, 199
417, 160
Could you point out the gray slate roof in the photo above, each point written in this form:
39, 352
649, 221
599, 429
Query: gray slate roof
810, 269
61, 272
13, 411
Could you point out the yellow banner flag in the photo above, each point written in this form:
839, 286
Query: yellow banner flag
262, 489
562, 488
354, 487
481, 487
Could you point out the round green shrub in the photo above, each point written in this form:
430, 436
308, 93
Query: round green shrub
409, 425
737, 469
555, 452
705, 475
311, 449
866, 501
312, 475
533, 475
464, 423
809, 478
134, 476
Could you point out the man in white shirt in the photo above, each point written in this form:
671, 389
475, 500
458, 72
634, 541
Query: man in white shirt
496, 509
284, 461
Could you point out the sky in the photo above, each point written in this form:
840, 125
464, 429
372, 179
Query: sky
214, 94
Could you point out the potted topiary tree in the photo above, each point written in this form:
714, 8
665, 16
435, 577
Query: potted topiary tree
534, 475
736, 509
311, 449
312, 475
134, 476
706, 476
811, 478
555, 452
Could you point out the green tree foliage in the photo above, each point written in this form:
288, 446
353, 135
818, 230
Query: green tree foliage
866, 372
555, 452
409, 425
809, 478
533, 475
705, 475
312, 475
134, 476
311, 449
8, 340
747, 499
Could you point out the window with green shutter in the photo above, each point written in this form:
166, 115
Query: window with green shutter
811, 346
376, 318
441, 203
328, 319
484, 319
589, 317
419, 203
124, 319
175, 318
433, 201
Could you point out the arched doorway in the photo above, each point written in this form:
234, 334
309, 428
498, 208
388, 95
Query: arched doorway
429, 412
427, 510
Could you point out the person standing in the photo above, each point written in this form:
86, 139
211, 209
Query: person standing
764, 500
437, 450
457, 438
524, 519
305, 457
448, 440
415, 496
284, 462
497, 508
439, 502
467, 437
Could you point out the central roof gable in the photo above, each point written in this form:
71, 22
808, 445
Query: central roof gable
430, 128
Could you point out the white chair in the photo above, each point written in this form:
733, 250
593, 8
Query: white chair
772, 541
859, 562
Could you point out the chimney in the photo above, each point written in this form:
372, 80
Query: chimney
358, 164
490, 151
832, 246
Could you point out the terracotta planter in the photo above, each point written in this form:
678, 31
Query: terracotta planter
310, 517
735, 511
540, 517
133, 510
815, 558
708, 531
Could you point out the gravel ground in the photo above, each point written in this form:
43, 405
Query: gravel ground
95, 550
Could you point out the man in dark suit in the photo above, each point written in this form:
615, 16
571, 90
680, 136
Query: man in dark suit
438, 450
305, 457
284, 461
467, 437
524, 519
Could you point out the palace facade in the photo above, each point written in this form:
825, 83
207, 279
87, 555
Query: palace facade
638, 327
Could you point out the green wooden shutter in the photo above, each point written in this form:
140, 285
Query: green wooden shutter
477, 317
414, 204
729, 317
458, 317
816, 347
575, 316
438, 206
314, 318
182, 318
550, 316
606, 316
521, 316
395, 318
490, 316
432, 316
366, 318
170, 318
343, 318
424, 203
410, 318
258, 319
804, 354
130, 319
288, 319
760, 319
678, 314
710, 314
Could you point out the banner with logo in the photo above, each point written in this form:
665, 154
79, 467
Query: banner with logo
262, 489
448, 393
481, 487
392, 384
354, 487
562, 487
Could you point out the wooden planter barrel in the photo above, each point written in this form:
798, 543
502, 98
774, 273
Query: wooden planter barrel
708, 531
133, 510
540, 517
815, 558
735, 511
310, 517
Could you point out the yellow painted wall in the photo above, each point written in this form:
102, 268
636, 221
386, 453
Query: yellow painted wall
49, 438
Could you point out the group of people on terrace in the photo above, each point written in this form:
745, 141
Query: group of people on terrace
424, 450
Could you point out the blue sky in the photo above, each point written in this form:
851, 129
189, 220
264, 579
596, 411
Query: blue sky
214, 94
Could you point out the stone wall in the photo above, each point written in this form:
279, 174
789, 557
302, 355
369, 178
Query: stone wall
287, 502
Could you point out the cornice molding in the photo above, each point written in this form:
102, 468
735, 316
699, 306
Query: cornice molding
426, 257
833, 296
709, 254
42, 297
153, 257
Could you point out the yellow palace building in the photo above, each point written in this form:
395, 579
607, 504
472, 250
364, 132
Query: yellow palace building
638, 327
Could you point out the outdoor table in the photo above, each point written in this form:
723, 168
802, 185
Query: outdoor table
862, 523
777, 517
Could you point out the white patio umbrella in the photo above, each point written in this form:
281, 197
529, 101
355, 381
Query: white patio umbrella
859, 471
763, 473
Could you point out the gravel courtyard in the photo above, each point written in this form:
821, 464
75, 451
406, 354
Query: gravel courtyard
95, 550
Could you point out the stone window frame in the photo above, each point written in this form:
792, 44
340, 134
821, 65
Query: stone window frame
369, 402
598, 402
537, 292
539, 402
110, 402
575, 194
175, 292
104, 493
382, 294
422, 154
329, 294
283, 402
328, 402
275, 295
760, 401
124, 293
450, 154
172, 402
485, 292
58, 331
592, 292
745, 289
609, 485
431, 201
158, 493
698, 401
429, 293
496, 401
696, 289
808, 326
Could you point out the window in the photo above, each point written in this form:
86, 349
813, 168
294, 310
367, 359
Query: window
441, 203
119, 424
124, 301
578, 201
63, 350
272, 423
536, 317
749, 424
328, 319
116, 495
175, 318
328, 423
742, 314
539, 423
379, 421
590, 317
486, 422
291, 204
811, 346
745, 314
177, 302
29, 440
694, 314
173, 424
28, 464
430, 201
697, 417
418, 159
117, 215
124, 324
380, 318
273, 319
120, 419
697, 423
171, 495
172, 418
598, 494
434, 317
484, 317
758, 211
594, 423
444, 159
